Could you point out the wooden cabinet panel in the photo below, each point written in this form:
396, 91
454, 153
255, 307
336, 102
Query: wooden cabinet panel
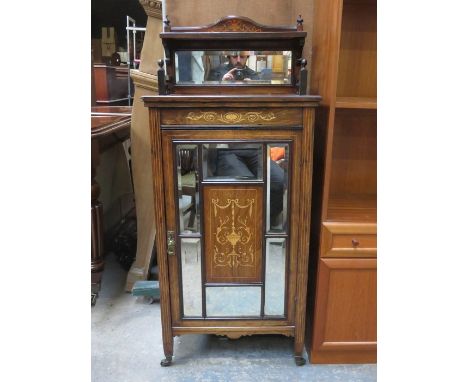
349, 240
346, 311
233, 243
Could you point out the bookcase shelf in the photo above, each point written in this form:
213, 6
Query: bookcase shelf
356, 103
352, 208
357, 62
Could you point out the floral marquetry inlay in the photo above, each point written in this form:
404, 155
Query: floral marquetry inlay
234, 234
235, 25
231, 116
233, 245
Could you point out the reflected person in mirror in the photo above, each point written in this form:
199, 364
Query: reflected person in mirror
235, 69
243, 163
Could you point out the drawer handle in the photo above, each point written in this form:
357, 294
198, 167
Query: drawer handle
355, 243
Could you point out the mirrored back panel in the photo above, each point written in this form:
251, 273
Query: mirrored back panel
188, 188
233, 301
277, 187
232, 161
241, 67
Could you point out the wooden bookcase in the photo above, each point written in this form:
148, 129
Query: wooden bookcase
341, 310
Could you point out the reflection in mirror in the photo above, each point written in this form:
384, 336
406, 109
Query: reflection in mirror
187, 189
239, 67
275, 268
277, 187
190, 260
234, 301
232, 161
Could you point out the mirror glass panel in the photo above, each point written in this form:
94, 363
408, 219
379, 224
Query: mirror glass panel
277, 187
190, 260
275, 268
232, 161
187, 189
235, 301
242, 67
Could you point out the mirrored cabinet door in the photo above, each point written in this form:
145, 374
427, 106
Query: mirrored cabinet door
233, 228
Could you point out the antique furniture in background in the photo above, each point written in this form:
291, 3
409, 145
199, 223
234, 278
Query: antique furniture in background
342, 325
111, 84
109, 125
145, 82
238, 157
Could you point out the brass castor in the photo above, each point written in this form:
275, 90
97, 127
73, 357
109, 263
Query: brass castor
166, 361
300, 361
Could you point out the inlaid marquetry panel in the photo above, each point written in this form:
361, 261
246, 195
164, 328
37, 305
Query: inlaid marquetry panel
235, 25
258, 116
233, 233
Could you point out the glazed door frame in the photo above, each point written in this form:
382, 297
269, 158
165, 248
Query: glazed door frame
171, 137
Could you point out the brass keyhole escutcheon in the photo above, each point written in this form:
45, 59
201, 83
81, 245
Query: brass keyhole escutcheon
170, 243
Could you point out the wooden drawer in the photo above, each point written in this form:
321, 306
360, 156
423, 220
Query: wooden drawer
349, 240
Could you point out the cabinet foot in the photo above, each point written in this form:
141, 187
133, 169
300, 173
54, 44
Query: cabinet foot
300, 361
166, 361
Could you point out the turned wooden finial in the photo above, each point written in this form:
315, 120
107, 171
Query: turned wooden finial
162, 90
302, 76
299, 26
167, 24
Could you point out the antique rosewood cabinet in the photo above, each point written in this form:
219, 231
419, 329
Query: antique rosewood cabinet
232, 167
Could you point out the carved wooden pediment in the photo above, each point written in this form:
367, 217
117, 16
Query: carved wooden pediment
232, 24
235, 25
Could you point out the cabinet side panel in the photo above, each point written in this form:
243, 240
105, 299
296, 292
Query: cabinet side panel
306, 203
160, 220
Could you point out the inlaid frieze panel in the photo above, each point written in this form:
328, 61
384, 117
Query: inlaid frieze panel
233, 239
238, 116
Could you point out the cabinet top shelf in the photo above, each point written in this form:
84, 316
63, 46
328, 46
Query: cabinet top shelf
232, 100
